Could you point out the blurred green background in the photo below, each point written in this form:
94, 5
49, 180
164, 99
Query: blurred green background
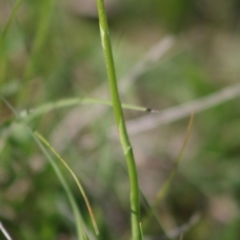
52, 51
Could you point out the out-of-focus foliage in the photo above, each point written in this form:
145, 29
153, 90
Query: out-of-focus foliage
52, 51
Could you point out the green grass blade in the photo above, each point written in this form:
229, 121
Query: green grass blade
46, 11
81, 232
47, 144
117, 108
3, 36
32, 113
165, 188
8, 24
42, 31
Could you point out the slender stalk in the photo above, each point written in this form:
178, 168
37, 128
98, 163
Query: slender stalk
117, 108
68, 102
166, 185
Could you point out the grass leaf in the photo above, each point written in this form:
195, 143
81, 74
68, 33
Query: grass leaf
47, 144
81, 232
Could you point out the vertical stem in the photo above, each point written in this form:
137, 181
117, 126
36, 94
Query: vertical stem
128, 152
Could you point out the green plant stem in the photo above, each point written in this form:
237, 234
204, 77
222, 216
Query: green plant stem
127, 148
43, 109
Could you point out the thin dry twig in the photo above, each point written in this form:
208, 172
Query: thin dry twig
4, 231
147, 62
185, 227
169, 115
167, 183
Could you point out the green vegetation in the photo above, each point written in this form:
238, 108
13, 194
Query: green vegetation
176, 57
118, 112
